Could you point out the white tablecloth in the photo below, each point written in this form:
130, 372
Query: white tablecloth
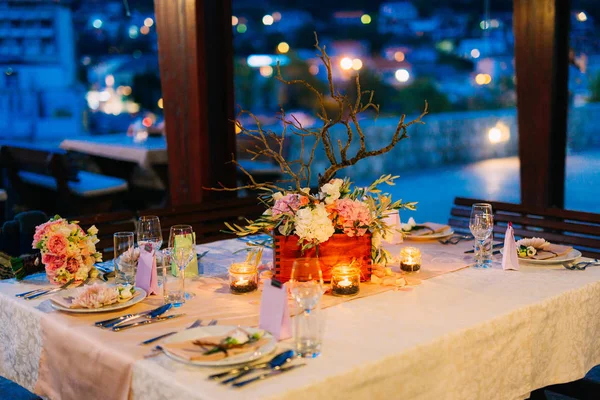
471, 334
121, 147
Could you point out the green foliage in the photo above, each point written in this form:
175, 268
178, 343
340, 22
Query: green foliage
410, 98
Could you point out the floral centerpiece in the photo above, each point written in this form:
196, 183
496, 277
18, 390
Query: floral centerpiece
332, 217
68, 252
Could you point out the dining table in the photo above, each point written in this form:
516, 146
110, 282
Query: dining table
142, 161
452, 332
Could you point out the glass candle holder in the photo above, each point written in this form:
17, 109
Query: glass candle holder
243, 278
345, 280
410, 259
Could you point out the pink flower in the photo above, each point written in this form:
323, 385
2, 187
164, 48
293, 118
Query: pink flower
57, 244
290, 203
353, 216
43, 229
73, 265
53, 261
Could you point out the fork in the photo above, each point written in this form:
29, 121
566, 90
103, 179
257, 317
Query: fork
582, 265
196, 324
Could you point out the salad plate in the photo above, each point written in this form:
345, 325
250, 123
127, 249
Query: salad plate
61, 300
571, 256
439, 235
220, 330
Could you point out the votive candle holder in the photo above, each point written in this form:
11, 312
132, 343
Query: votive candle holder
243, 278
410, 259
345, 280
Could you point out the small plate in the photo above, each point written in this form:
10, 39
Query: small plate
139, 295
571, 256
218, 330
440, 235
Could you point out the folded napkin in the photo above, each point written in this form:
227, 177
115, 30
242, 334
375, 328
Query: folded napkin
193, 352
510, 259
429, 228
393, 221
551, 251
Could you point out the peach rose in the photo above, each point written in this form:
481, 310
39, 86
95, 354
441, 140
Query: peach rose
57, 244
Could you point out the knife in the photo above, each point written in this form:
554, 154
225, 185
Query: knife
268, 374
31, 292
146, 322
43, 293
109, 323
497, 245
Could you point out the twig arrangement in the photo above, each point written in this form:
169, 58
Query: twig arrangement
297, 172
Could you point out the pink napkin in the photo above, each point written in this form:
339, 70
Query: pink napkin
275, 311
510, 260
146, 276
393, 221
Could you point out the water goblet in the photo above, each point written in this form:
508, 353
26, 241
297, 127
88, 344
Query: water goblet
306, 283
481, 225
182, 251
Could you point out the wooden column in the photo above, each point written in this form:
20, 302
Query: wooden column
541, 31
196, 69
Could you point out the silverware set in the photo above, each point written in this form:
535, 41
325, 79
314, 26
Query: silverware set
455, 239
275, 366
143, 318
34, 294
582, 265
196, 324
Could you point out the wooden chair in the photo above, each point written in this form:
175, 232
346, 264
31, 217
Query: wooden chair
45, 179
108, 224
207, 219
574, 228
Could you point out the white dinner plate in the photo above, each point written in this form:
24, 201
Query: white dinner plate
139, 295
219, 330
571, 256
433, 236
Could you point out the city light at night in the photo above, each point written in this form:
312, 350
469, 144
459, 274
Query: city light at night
234, 20
365, 19
475, 53
267, 20
581, 17
357, 64
402, 75
283, 47
242, 28
148, 22
346, 63
97, 23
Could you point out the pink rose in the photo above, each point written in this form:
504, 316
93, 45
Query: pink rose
43, 229
290, 203
57, 244
53, 261
72, 265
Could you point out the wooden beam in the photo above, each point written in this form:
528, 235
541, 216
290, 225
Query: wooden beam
197, 85
541, 31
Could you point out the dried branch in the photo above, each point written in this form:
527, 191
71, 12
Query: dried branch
297, 172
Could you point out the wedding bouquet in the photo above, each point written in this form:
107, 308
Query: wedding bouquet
67, 251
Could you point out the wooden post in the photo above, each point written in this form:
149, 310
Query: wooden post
541, 30
196, 69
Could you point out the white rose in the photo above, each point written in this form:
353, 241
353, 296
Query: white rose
331, 191
409, 225
314, 224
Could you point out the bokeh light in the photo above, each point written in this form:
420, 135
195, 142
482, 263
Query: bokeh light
346, 63
283, 47
402, 75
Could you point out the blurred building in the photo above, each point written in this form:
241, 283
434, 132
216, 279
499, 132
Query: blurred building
395, 18
39, 93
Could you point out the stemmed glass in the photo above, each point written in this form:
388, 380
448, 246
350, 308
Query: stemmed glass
181, 251
125, 262
306, 285
481, 225
149, 232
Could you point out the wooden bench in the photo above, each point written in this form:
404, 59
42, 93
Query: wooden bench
45, 179
574, 228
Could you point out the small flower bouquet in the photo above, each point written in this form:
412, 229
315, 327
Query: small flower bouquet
67, 251
338, 208
331, 220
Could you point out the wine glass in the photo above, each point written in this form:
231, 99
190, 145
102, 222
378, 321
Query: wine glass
306, 285
182, 251
149, 232
481, 225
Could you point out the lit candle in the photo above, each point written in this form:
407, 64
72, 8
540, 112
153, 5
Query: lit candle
410, 259
243, 278
345, 280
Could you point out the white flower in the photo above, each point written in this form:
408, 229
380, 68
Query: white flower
93, 230
314, 224
531, 251
331, 191
277, 196
409, 225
